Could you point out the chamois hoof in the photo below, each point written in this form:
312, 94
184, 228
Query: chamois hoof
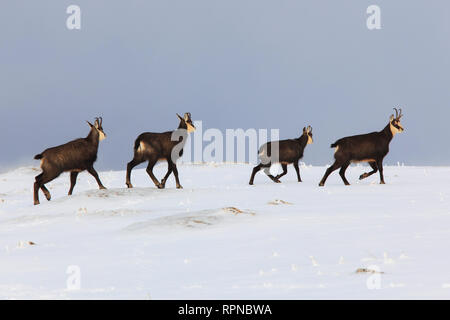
129, 185
48, 197
102, 188
250, 183
179, 186
160, 186
277, 181
36, 202
382, 182
321, 184
363, 176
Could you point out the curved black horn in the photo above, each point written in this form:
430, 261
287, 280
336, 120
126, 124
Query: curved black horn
396, 112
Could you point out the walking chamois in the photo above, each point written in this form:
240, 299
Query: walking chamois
152, 147
75, 156
371, 148
289, 151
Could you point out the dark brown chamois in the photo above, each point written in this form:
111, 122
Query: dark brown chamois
152, 147
289, 151
370, 147
75, 156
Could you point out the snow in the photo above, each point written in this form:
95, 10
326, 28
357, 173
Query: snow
219, 238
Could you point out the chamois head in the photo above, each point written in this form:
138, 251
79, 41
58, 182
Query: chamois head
187, 121
394, 122
97, 126
308, 132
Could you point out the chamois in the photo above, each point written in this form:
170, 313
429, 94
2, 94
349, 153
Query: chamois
75, 156
289, 151
371, 148
152, 147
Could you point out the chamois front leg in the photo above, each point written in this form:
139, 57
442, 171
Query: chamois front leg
297, 169
175, 173
284, 166
94, 173
368, 174
169, 171
380, 169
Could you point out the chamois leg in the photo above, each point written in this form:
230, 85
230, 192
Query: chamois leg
342, 173
151, 164
367, 174
169, 171
297, 169
36, 192
267, 172
175, 173
255, 171
133, 163
73, 180
334, 166
46, 192
40, 180
94, 173
380, 168
284, 166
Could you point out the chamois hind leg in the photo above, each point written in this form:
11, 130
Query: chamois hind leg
367, 174
334, 166
40, 180
94, 173
151, 164
169, 171
175, 173
342, 173
254, 172
133, 163
73, 180
297, 170
380, 169
284, 166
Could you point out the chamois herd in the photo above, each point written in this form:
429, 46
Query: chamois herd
80, 154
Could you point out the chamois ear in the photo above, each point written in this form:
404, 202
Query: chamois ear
391, 117
304, 129
90, 124
187, 116
179, 117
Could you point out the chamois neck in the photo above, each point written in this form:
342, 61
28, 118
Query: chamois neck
387, 131
303, 140
93, 136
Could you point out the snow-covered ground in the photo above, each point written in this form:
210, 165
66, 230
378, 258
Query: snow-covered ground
219, 238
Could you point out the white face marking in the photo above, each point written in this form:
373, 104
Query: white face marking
336, 149
394, 130
310, 140
190, 128
101, 135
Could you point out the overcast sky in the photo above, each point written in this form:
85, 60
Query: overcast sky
232, 64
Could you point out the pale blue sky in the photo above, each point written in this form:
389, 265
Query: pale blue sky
232, 64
